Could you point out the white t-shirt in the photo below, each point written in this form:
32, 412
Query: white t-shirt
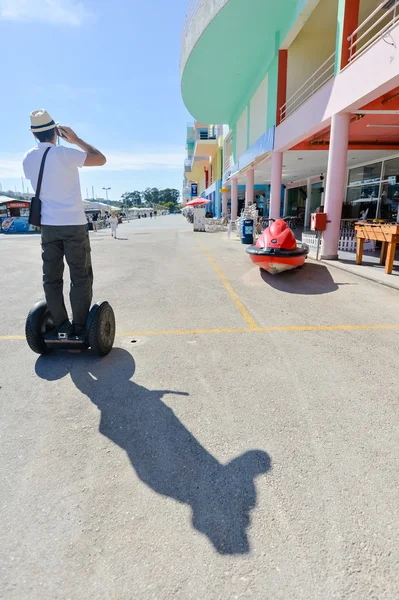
113, 221
60, 194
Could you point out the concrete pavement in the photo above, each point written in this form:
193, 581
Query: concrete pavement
239, 442
369, 269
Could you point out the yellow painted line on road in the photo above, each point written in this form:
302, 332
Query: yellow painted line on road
250, 321
326, 327
279, 328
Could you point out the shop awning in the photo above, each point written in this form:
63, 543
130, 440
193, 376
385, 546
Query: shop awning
198, 202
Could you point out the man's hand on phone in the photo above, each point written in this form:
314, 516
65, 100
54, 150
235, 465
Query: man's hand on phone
67, 134
94, 157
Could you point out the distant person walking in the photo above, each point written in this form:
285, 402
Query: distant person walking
113, 221
95, 221
150, 214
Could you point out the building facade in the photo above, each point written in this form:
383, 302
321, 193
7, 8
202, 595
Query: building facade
203, 165
310, 92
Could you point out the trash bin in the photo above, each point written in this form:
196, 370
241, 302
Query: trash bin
247, 231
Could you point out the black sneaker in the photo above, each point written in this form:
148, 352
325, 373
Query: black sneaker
79, 330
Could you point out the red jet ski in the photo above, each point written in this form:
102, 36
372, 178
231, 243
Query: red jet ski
276, 249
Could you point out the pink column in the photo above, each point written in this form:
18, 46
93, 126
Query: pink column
234, 199
224, 203
336, 182
249, 187
275, 186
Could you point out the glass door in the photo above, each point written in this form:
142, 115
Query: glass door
362, 201
390, 190
389, 201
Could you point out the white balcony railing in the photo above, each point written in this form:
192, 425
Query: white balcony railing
191, 12
316, 81
228, 163
209, 133
386, 15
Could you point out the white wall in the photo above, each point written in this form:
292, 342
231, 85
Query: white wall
258, 112
313, 45
241, 132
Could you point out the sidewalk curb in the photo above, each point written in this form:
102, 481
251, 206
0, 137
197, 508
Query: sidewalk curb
337, 265
340, 267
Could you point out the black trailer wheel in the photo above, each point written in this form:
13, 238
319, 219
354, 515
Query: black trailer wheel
38, 323
101, 329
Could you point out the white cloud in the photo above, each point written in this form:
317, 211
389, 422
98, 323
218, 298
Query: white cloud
163, 159
64, 12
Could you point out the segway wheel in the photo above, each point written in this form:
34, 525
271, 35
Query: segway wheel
101, 329
38, 323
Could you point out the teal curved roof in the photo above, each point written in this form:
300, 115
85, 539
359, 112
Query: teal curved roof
232, 56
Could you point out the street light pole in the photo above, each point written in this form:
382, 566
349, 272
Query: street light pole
106, 192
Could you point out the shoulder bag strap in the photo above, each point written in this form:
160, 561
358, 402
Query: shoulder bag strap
39, 181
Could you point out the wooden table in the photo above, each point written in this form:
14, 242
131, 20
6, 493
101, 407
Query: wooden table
386, 233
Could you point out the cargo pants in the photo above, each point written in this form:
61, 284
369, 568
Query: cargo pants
71, 241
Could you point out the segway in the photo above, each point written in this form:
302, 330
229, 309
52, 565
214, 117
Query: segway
43, 337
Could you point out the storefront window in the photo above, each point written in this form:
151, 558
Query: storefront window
365, 174
361, 199
391, 169
389, 202
296, 205
390, 190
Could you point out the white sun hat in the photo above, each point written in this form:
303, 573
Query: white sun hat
40, 120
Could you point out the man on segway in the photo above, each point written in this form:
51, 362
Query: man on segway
63, 221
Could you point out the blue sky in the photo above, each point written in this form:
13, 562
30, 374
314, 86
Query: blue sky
107, 68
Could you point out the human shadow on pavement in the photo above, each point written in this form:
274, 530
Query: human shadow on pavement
311, 279
162, 451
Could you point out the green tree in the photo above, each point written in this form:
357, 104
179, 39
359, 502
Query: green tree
154, 195
151, 197
147, 196
169, 205
130, 199
169, 196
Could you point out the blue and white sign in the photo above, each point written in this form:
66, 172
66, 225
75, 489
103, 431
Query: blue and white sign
17, 225
194, 189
